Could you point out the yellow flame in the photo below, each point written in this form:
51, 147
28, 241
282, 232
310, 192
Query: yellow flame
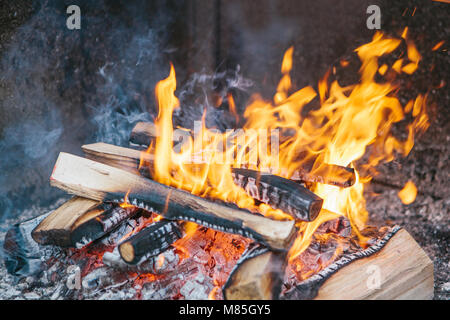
408, 193
348, 122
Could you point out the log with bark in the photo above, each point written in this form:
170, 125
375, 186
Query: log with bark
145, 132
80, 221
97, 181
150, 241
395, 267
280, 193
258, 275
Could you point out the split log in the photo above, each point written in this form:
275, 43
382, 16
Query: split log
56, 228
145, 132
395, 267
258, 275
80, 221
97, 181
150, 241
278, 192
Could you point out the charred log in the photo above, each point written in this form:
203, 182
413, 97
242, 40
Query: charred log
279, 193
258, 275
94, 226
80, 221
100, 182
149, 242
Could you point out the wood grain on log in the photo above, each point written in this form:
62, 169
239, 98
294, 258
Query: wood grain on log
80, 221
97, 181
393, 268
56, 228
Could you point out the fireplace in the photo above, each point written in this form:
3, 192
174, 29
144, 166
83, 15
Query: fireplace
204, 184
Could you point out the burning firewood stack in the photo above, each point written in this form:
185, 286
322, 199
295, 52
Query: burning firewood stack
111, 192
238, 230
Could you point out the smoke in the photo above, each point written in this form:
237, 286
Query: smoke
208, 93
63, 88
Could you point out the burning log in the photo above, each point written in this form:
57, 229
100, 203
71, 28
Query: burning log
258, 275
278, 192
144, 132
149, 242
395, 267
97, 181
80, 221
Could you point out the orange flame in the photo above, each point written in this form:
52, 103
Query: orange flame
408, 193
351, 124
125, 203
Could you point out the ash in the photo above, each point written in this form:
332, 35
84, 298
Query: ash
97, 272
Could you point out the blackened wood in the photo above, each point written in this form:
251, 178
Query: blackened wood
280, 193
327, 174
258, 275
144, 132
94, 226
100, 182
150, 241
57, 227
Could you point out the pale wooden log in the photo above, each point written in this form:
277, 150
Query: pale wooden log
57, 227
101, 182
405, 269
77, 223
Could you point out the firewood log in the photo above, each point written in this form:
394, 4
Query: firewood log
145, 132
395, 267
80, 221
150, 241
258, 275
97, 181
280, 193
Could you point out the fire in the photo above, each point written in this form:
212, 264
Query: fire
125, 203
346, 126
408, 193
